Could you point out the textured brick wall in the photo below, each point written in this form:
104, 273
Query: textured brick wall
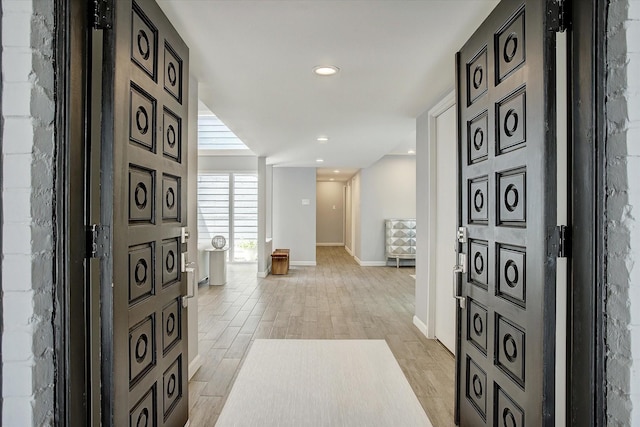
623, 213
27, 259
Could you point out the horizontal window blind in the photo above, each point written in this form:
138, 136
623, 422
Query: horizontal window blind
213, 207
215, 135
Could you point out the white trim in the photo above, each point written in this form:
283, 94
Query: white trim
329, 244
264, 274
346, 248
421, 326
195, 364
303, 263
445, 104
370, 263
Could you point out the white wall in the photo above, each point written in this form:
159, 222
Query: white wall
227, 164
388, 190
355, 208
330, 213
348, 242
192, 222
423, 232
294, 223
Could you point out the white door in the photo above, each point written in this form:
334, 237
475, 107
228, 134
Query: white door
445, 212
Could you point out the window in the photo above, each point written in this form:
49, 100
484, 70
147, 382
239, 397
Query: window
228, 206
215, 135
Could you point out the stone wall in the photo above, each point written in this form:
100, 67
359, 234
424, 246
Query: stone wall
28, 161
623, 213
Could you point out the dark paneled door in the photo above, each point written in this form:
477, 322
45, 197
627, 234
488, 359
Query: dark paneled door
507, 209
144, 332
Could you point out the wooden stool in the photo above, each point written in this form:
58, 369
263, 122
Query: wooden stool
280, 261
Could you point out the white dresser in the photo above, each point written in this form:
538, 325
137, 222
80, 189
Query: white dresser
400, 239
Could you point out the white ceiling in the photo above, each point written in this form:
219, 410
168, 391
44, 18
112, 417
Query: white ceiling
254, 59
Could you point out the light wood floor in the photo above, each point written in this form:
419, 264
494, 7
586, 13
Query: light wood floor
337, 299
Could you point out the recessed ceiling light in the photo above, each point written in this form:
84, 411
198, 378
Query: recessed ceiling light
326, 70
322, 138
319, 160
336, 171
412, 151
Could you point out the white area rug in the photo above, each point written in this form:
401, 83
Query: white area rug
333, 383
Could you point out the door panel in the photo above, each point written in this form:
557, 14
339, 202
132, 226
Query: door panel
144, 134
507, 202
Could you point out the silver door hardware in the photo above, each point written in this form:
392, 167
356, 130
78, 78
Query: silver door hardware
460, 267
184, 235
461, 235
191, 280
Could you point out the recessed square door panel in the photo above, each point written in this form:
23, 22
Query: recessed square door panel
512, 198
141, 195
477, 76
171, 325
510, 47
171, 135
144, 412
171, 198
477, 327
512, 274
507, 412
478, 263
144, 42
510, 349
511, 122
478, 200
141, 272
478, 138
170, 262
172, 387
142, 119
476, 387
172, 72
142, 348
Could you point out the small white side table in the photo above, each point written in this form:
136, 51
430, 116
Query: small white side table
217, 267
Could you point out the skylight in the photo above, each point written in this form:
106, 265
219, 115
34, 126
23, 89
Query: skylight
213, 134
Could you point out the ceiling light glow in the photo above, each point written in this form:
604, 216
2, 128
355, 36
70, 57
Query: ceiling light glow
322, 138
319, 160
336, 171
412, 151
326, 70
332, 179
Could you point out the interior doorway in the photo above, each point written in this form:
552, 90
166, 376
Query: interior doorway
443, 147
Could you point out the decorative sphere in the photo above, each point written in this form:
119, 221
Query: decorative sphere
218, 242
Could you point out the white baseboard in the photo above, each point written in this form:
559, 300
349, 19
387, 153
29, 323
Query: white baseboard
303, 263
370, 263
420, 325
195, 364
346, 248
329, 244
263, 274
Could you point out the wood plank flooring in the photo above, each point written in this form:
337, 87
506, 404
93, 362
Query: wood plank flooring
337, 299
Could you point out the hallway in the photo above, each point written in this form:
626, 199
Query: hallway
337, 299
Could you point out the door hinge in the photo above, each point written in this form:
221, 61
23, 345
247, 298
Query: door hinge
564, 241
559, 17
102, 14
97, 240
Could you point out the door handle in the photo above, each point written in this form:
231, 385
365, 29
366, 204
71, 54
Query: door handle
191, 280
459, 268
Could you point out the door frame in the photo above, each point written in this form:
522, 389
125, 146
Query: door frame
585, 356
72, 404
585, 330
443, 105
